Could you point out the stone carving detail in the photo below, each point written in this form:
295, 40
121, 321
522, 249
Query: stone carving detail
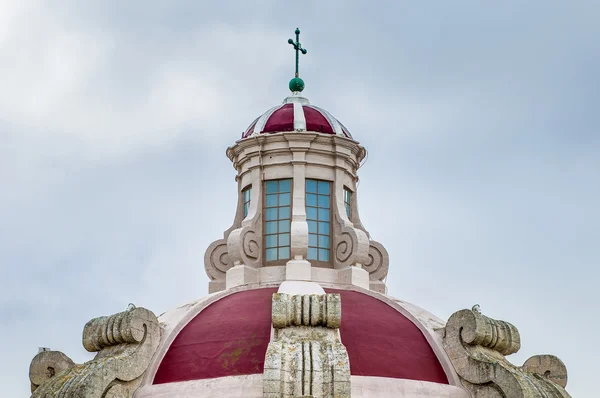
378, 264
476, 346
216, 260
306, 356
345, 246
244, 244
351, 244
125, 343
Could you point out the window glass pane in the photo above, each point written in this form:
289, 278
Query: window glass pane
348, 209
271, 240
271, 254
247, 195
312, 227
272, 186
284, 185
284, 212
271, 214
284, 226
311, 213
323, 214
312, 240
271, 200
284, 239
324, 201
271, 227
311, 186
324, 228
246, 209
323, 241
284, 199
312, 253
284, 252
311, 200
324, 254
324, 187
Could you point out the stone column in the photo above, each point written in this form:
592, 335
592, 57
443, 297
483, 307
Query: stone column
298, 268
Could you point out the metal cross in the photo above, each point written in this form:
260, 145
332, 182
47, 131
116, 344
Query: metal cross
297, 47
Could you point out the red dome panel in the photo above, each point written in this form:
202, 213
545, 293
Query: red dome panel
229, 337
315, 121
383, 342
281, 120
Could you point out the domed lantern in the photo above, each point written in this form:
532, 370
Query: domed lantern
297, 215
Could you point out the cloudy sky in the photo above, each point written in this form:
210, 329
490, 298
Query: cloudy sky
481, 120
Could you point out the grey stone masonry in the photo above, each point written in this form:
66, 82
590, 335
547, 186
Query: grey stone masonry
125, 343
477, 345
306, 357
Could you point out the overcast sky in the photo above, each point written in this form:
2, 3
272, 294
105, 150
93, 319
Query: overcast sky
482, 122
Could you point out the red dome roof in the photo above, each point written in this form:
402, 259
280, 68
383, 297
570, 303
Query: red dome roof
296, 114
230, 337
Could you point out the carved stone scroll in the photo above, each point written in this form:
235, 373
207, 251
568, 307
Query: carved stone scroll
378, 264
244, 244
476, 346
351, 245
306, 356
125, 343
216, 260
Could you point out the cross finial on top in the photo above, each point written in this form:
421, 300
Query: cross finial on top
297, 84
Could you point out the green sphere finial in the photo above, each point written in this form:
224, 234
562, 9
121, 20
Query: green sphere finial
296, 85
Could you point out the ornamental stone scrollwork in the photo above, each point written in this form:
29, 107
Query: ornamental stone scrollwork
351, 245
306, 356
477, 345
216, 260
244, 244
378, 263
125, 343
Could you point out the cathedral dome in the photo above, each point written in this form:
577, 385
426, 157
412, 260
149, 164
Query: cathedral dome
229, 337
296, 114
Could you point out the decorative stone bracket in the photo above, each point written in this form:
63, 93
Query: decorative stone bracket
477, 345
306, 356
125, 343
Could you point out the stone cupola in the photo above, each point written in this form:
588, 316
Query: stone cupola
297, 214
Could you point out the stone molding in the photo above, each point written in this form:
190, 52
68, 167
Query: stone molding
306, 356
124, 342
477, 345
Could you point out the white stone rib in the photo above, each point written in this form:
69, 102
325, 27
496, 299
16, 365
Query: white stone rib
299, 118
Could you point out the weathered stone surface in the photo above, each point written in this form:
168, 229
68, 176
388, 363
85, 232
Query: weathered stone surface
125, 343
306, 356
476, 346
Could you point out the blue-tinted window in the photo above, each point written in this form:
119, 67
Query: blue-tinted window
246, 193
347, 201
318, 202
277, 219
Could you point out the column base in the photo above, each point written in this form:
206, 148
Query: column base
240, 275
354, 275
298, 270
